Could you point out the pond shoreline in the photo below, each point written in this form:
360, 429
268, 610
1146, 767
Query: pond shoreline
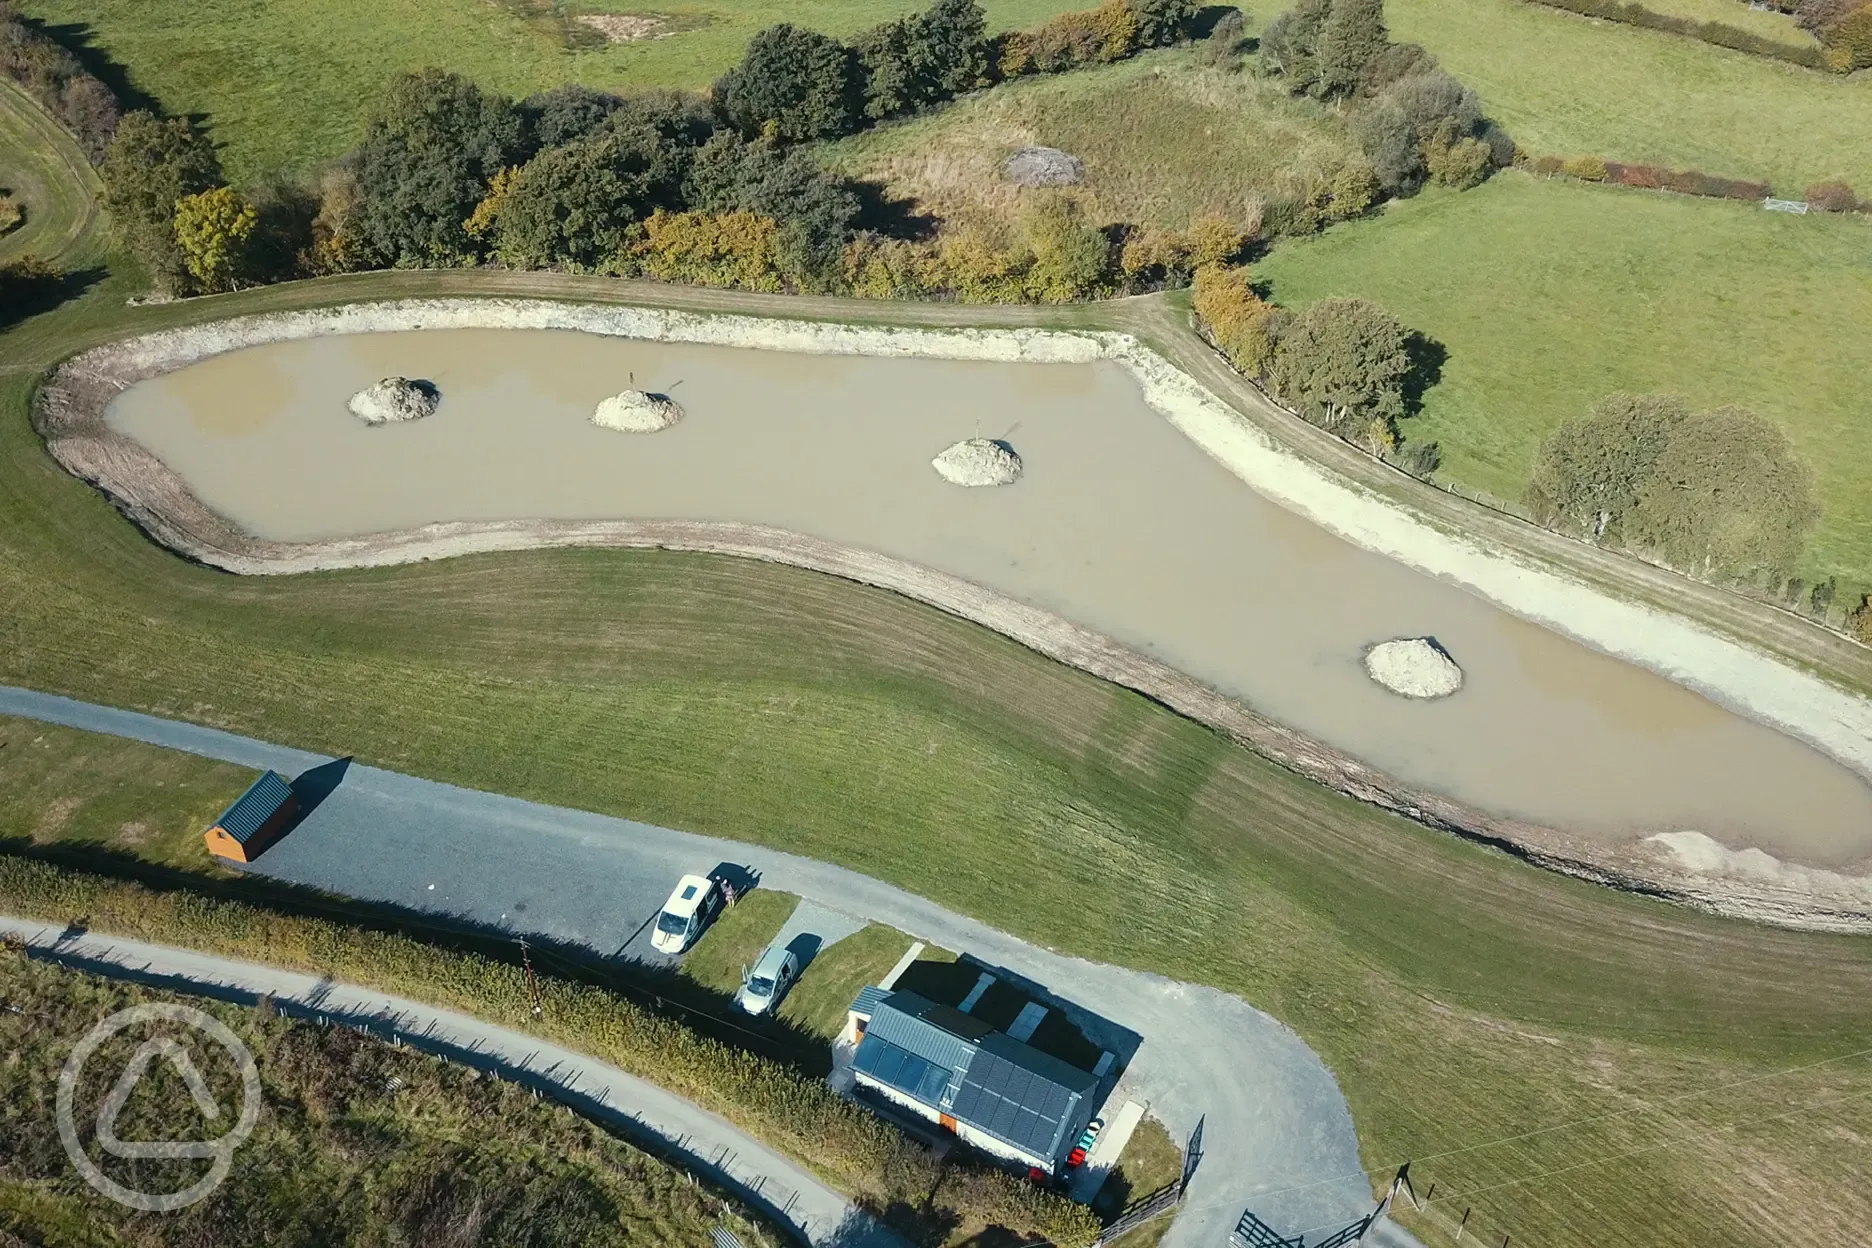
70, 417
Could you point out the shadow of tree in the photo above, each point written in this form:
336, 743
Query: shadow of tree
1427, 357
30, 288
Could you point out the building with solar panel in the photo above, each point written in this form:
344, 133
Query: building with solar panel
996, 1093
257, 818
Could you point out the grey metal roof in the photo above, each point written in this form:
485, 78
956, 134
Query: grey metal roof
988, 1080
868, 998
254, 807
898, 1019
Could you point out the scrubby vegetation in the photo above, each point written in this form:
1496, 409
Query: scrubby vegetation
1200, 139
357, 1143
721, 191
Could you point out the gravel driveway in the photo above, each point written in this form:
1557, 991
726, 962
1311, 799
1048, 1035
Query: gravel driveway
1277, 1134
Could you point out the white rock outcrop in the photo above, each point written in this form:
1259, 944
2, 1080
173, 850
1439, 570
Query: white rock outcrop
978, 461
394, 399
1043, 166
637, 411
1415, 667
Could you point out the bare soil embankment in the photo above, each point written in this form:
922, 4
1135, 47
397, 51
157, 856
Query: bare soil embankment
70, 416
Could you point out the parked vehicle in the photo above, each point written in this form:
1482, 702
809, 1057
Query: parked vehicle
762, 987
690, 908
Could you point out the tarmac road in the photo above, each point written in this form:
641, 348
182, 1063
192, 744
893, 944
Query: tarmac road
1277, 1135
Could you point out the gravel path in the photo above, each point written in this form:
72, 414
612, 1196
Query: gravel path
1277, 1134
698, 1140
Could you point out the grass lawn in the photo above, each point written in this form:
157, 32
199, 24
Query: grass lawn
1193, 140
58, 784
286, 84
736, 940
335, 1156
47, 175
1550, 294
1150, 1162
822, 998
1768, 23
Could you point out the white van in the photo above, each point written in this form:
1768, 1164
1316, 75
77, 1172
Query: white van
696, 901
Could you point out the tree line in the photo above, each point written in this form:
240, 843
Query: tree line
1415, 122
1346, 365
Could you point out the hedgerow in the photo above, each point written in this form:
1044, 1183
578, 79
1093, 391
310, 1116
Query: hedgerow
800, 1115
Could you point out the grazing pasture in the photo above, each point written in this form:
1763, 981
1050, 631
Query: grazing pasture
1549, 294
286, 84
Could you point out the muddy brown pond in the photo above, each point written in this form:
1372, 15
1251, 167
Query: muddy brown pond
1119, 524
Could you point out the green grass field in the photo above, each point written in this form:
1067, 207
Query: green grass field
339, 1156
60, 785
1550, 294
1568, 86
286, 84
1194, 140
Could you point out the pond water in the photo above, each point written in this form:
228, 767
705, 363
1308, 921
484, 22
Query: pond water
1119, 524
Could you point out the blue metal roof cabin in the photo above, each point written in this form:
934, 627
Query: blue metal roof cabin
257, 818
998, 1093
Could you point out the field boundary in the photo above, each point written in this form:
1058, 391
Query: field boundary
70, 416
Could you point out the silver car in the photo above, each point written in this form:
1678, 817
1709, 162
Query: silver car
762, 987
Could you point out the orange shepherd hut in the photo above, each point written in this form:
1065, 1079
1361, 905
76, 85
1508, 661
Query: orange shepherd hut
258, 817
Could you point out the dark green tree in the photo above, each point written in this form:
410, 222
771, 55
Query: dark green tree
1162, 22
1343, 363
152, 163
1589, 471
950, 48
886, 67
1727, 498
792, 85
814, 208
430, 151
566, 113
1352, 36
572, 205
